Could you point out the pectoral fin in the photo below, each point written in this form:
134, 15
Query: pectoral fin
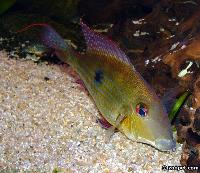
113, 129
104, 123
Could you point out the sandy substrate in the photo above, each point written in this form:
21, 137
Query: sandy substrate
48, 125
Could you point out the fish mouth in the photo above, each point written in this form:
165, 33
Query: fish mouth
165, 144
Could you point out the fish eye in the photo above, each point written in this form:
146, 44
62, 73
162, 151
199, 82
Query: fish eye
141, 109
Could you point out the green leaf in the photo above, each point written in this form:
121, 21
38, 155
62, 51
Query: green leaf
178, 104
5, 5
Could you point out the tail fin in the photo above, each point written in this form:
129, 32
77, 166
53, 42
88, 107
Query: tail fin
51, 39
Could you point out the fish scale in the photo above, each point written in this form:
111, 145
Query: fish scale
120, 93
106, 92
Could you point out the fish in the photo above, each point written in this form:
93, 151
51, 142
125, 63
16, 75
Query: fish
120, 93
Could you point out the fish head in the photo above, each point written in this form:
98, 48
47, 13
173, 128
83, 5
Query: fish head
150, 123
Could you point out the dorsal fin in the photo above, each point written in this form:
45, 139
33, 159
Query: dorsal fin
99, 43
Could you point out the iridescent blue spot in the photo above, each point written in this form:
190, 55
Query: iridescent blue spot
141, 109
98, 76
142, 112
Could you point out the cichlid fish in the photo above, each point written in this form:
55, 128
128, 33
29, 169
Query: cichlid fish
120, 93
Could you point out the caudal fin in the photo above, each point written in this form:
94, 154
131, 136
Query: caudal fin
50, 38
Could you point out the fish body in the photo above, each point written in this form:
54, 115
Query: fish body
116, 88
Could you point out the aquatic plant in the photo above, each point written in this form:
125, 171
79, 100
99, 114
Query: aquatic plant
177, 105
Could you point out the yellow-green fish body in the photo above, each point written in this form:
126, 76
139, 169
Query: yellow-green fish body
116, 88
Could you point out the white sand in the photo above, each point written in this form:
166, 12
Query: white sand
46, 125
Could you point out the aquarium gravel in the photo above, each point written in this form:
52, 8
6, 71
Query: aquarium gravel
47, 123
